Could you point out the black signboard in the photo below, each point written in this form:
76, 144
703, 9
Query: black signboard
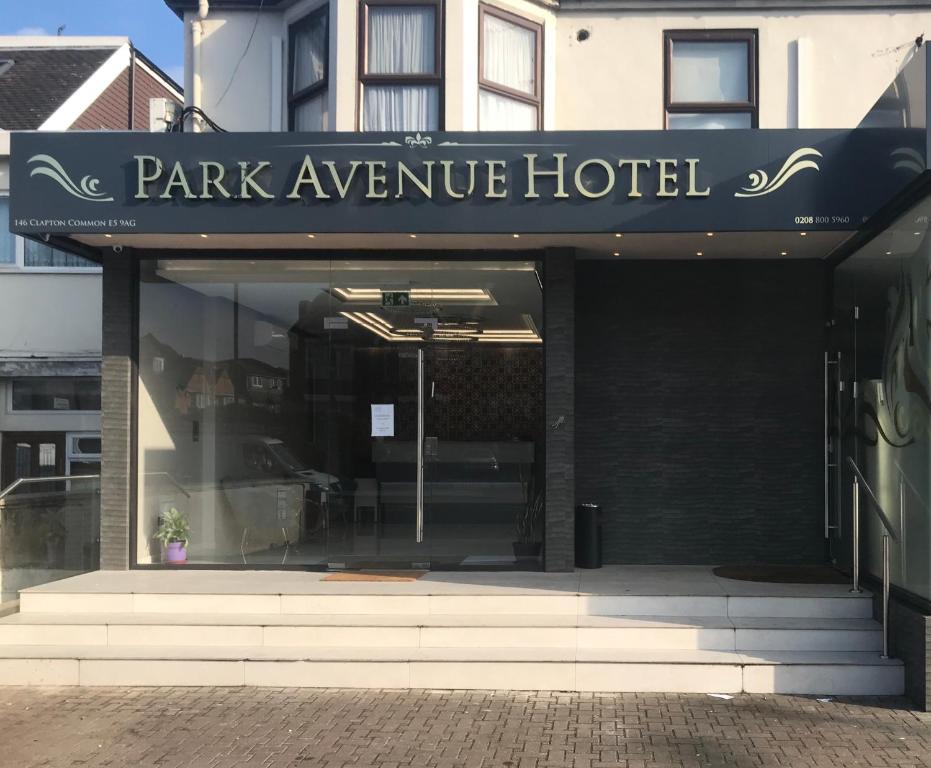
541, 182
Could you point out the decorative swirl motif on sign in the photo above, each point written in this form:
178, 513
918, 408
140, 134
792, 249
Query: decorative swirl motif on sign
418, 140
760, 183
88, 189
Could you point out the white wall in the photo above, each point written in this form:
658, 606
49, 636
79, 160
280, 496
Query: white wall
613, 80
43, 314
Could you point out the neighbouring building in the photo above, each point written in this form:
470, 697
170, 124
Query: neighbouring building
50, 299
417, 278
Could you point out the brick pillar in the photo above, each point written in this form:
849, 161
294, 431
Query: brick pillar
117, 401
559, 345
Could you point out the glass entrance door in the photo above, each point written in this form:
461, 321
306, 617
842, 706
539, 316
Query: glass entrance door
435, 413
344, 414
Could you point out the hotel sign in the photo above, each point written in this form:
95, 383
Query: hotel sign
543, 182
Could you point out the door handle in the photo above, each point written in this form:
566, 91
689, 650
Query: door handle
420, 442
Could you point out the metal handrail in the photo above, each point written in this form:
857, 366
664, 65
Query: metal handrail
171, 479
884, 519
23, 480
889, 533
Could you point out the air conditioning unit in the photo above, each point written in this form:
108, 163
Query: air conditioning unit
163, 114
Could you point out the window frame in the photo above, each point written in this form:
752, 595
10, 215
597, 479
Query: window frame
323, 84
11, 411
497, 88
438, 78
750, 107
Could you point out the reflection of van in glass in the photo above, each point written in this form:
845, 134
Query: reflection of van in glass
271, 494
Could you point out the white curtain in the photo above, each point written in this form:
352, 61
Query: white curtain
401, 108
680, 121
499, 113
709, 71
7, 241
401, 40
309, 52
311, 115
510, 54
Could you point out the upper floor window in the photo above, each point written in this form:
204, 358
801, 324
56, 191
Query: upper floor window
510, 72
400, 65
308, 45
711, 79
7, 239
19, 252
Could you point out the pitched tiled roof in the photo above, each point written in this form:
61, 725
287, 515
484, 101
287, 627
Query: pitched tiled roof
40, 80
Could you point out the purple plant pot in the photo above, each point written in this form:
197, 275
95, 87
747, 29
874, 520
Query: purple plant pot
176, 553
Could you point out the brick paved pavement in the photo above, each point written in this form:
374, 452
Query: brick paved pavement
262, 728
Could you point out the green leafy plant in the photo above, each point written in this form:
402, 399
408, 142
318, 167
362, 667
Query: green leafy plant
174, 527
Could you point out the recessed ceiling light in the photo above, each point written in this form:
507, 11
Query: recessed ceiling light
888, 253
618, 234
699, 253
515, 235
413, 237
204, 236
617, 253
108, 236
710, 234
311, 236
784, 253
803, 234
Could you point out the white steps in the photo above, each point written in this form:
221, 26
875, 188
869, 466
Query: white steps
463, 631
444, 630
838, 607
561, 669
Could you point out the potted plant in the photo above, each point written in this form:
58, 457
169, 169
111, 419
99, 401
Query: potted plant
174, 533
529, 543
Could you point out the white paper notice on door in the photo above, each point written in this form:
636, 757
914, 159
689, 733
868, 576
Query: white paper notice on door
383, 420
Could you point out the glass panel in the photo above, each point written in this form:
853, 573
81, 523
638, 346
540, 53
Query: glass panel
882, 348
509, 54
7, 240
311, 115
56, 394
500, 113
401, 40
259, 428
709, 71
401, 108
682, 121
41, 255
51, 530
309, 54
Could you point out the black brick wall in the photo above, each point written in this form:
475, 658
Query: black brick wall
699, 405
559, 338
116, 397
909, 640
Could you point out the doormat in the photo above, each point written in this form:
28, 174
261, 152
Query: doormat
782, 574
375, 576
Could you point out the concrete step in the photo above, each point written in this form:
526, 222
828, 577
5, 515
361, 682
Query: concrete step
838, 605
647, 670
443, 630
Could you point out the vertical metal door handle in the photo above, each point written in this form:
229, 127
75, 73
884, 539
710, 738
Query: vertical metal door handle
420, 440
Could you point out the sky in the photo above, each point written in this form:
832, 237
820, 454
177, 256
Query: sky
153, 28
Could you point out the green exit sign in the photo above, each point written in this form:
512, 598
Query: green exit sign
396, 299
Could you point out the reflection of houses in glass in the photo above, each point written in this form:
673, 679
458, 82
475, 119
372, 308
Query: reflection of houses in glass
209, 388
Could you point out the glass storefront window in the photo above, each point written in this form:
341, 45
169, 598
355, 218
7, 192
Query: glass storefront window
880, 401
281, 404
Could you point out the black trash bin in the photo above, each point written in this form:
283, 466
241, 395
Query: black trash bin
588, 536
